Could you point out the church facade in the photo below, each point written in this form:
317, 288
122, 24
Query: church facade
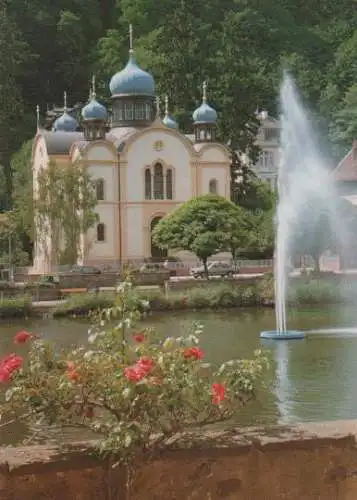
142, 164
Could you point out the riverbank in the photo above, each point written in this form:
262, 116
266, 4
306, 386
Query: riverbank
218, 295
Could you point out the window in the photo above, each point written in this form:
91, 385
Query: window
169, 184
266, 159
99, 189
140, 111
158, 182
101, 232
271, 134
147, 184
212, 186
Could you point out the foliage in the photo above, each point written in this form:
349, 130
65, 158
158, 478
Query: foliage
204, 226
64, 205
133, 389
315, 292
19, 307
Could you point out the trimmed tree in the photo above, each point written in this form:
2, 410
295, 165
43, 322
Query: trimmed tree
204, 226
65, 205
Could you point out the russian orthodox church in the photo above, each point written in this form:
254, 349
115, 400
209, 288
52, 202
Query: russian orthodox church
142, 164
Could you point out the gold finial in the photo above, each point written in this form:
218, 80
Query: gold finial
38, 117
93, 87
204, 94
65, 101
131, 50
157, 107
166, 105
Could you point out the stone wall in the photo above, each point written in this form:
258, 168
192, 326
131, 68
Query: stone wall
307, 462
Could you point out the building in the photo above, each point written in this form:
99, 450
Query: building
268, 140
143, 166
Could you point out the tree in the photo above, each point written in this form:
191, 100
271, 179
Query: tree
314, 230
22, 195
204, 226
64, 205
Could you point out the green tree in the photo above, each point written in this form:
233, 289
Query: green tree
65, 205
22, 195
204, 226
343, 130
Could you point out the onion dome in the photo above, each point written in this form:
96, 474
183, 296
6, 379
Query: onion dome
168, 120
132, 80
204, 113
66, 122
94, 110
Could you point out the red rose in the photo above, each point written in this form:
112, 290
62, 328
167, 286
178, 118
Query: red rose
193, 352
9, 364
22, 337
140, 370
146, 363
218, 393
73, 375
139, 337
134, 373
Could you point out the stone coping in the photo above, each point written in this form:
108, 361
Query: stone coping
224, 441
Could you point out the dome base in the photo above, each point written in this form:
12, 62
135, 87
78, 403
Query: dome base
288, 335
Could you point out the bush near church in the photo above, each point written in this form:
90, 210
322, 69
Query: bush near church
131, 388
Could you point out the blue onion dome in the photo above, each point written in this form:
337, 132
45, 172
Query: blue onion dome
94, 110
65, 123
132, 80
170, 122
205, 114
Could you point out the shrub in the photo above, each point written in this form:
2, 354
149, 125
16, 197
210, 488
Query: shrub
83, 304
19, 307
133, 389
315, 292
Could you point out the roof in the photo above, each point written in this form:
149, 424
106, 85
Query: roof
59, 143
346, 170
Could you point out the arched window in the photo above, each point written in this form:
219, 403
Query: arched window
169, 184
101, 232
157, 253
99, 188
158, 182
213, 186
147, 184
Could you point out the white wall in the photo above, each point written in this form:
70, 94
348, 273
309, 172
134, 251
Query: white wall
174, 154
134, 232
218, 173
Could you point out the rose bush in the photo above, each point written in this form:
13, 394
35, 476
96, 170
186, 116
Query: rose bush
132, 388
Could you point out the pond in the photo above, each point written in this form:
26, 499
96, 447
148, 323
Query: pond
312, 379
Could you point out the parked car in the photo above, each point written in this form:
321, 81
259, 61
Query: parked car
176, 266
152, 267
85, 270
223, 269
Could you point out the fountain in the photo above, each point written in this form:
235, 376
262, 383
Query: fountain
303, 181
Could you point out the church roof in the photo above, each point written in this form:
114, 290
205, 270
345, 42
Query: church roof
59, 142
346, 170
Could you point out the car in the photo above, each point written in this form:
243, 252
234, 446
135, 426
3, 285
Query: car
175, 266
85, 270
152, 267
223, 269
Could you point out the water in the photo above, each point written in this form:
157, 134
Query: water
306, 194
310, 380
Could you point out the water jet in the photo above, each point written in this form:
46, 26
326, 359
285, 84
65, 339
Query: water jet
306, 197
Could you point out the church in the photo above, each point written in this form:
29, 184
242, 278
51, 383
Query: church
143, 166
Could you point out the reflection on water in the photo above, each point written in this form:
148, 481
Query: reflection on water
312, 379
